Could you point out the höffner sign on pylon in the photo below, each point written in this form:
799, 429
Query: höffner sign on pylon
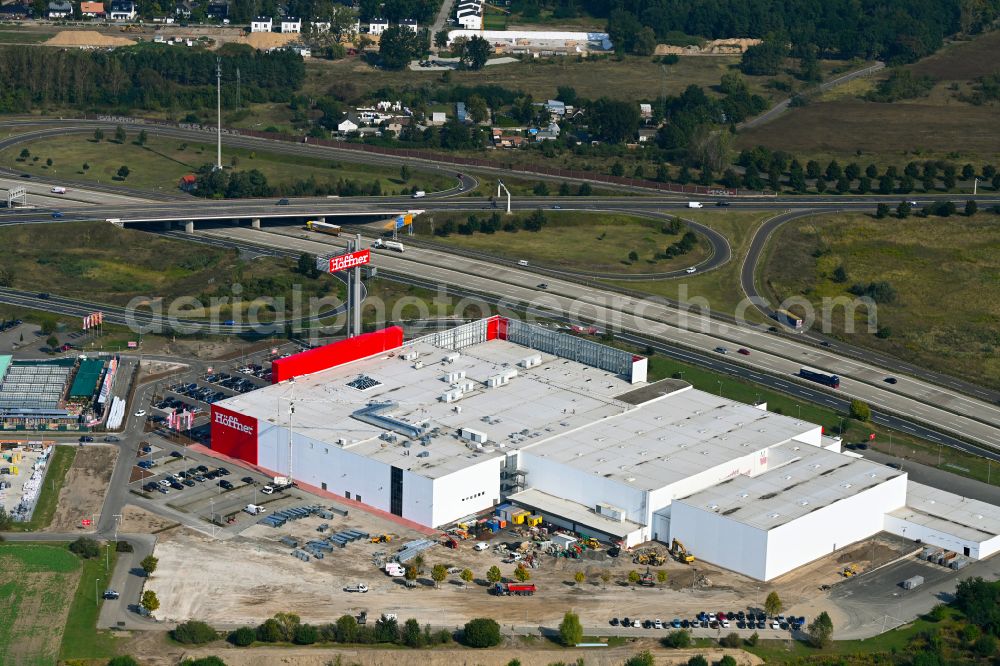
342, 262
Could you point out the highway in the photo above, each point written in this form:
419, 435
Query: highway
516, 288
951, 405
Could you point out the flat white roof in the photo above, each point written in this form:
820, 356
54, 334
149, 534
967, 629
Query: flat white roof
560, 409
814, 480
671, 438
965, 518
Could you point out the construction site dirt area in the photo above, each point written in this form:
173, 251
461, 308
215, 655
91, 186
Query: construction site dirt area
196, 579
82, 494
139, 521
500, 656
87, 38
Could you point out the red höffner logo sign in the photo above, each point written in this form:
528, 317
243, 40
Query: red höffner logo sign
350, 260
232, 422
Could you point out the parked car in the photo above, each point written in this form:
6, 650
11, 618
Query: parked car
248, 480
111, 594
225, 485
111, 438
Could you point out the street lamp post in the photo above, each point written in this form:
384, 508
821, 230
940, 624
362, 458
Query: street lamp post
96, 581
720, 387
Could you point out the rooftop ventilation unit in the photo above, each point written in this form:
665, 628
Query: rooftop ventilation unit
451, 396
410, 355
452, 357
530, 361
418, 365
474, 435
455, 376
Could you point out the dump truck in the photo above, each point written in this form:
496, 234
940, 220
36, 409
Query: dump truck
513, 589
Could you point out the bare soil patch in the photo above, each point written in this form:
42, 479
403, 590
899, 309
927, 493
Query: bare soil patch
85, 38
82, 494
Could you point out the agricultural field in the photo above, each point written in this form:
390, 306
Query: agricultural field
161, 162
939, 270
841, 124
585, 242
107, 264
37, 583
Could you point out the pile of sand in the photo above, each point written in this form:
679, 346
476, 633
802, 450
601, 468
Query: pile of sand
267, 40
87, 38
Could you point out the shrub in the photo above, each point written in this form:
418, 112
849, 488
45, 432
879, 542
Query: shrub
697, 660
194, 632
731, 640
123, 547
242, 637
482, 632
305, 634
124, 660
677, 639
85, 547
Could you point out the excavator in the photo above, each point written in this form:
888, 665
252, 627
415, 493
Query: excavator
680, 553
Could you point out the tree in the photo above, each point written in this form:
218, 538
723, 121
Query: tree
305, 634
633, 256
98, 135
306, 265
441, 39
903, 210
149, 601
772, 604
399, 45
494, 575
194, 632
411, 572
697, 660
5, 520
120, 134
123, 172
478, 109
466, 576
661, 575
821, 631
438, 573
148, 564
612, 120
840, 274
979, 600
882, 211
885, 184
411, 635
617, 169
584, 190
52, 342
25, 154
142, 138
971, 208
765, 58
579, 577
860, 410
645, 42
482, 632
404, 173
85, 547
86, 166
242, 637
541, 189
48, 162
677, 639
570, 630
347, 629
476, 52
522, 574
728, 660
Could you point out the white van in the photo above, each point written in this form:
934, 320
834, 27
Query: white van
694, 204
419, 194
522, 262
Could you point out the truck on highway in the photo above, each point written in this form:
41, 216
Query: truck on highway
323, 227
419, 194
513, 589
278, 484
820, 377
395, 246
58, 190
788, 319
694, 204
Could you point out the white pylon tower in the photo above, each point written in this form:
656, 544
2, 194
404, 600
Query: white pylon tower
218, 109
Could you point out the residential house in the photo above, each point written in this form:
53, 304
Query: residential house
183, 8
320, 27
470, 16
348, 124
646, 111
217, 10
16, 11
92, 9
377, 26
647, 135
397, 123
550, 133
123, 10
60, 9
555, 107
291, 25
409, 23
262, 24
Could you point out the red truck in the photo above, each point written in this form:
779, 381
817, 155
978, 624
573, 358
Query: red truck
516, 589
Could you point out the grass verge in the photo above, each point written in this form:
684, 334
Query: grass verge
62, 459
81, 639
598, 242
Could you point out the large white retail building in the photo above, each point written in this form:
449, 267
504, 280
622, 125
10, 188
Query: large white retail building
448, 426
